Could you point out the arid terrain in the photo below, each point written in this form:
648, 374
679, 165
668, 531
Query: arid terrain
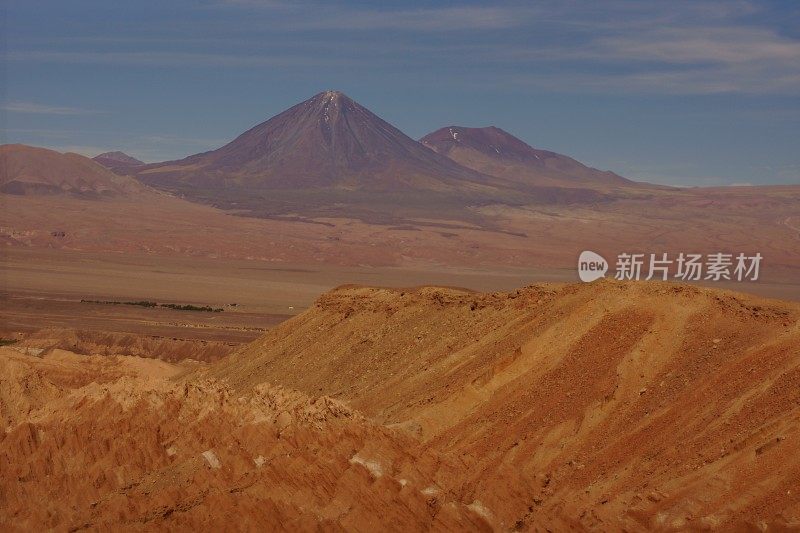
327, 325
51, 298
604, 406
329, 182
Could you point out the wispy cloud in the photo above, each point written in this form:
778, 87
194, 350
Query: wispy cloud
259, 3
440, 19
311, 15
201, 59
697, 59
709, 80
156, 147
42, 109
85, 150
182, 141
728, 45
650, 47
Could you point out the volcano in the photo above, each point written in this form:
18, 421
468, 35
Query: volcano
330, 157
496, 152
326, 142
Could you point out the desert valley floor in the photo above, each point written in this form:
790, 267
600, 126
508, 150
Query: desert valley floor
50, 297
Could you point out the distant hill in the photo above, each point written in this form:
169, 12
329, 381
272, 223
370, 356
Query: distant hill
28, 170
117, 161
493, 151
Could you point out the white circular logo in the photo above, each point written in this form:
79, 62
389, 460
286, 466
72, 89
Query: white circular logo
591, 266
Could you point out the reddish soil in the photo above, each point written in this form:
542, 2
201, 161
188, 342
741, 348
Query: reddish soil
608, 406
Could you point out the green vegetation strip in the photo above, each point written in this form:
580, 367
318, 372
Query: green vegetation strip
6, 342
145, 303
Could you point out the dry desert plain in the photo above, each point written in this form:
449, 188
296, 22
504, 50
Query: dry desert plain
49, 297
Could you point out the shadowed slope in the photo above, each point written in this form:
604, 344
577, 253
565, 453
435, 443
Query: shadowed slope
119, 162
496, 152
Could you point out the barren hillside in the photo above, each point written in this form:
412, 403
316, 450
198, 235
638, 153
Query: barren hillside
28, 170
103, 443
607, 406
642, 405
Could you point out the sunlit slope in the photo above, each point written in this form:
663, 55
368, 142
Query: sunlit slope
644, 405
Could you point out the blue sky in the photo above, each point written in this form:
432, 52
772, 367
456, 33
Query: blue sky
701, 92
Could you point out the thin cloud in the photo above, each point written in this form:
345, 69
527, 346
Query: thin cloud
705, 81
84, 150
441, 19
184, 141
172, 59
687, 60
731, 45
259, 3
42, 109
681, 47
156, 147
